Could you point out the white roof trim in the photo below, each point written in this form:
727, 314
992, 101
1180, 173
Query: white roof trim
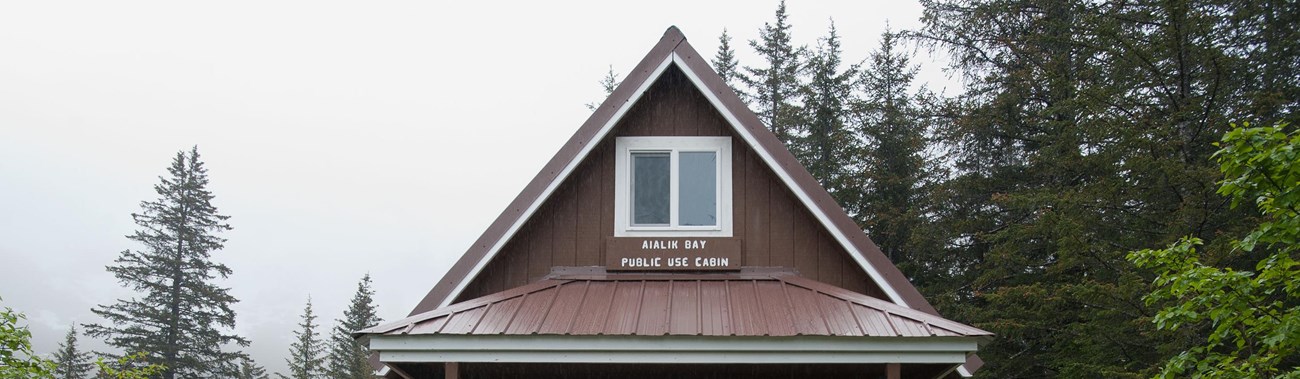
673, 357
671, 349
674, 58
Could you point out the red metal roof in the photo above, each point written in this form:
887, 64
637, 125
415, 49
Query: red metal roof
750, 303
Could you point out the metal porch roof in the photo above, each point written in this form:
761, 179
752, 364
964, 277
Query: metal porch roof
755, 302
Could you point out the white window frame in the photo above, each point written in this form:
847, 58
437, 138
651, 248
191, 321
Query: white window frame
625, 146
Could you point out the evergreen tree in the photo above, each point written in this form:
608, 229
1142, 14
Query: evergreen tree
1085, 132
250, 370
775, 88
182, 317
306, 355
608, 83
894, 130
724, 62
829, 149
70, 361
348, 359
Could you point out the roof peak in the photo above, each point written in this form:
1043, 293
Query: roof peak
674, 32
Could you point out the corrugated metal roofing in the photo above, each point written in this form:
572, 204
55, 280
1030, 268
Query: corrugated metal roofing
771, 303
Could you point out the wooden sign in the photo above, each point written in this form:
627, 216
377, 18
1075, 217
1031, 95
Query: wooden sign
672, 254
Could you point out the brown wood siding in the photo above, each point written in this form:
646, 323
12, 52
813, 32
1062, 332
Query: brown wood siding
570, 227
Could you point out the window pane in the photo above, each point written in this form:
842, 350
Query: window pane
650, 188
698, 189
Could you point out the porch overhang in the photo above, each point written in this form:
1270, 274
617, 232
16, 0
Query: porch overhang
672, 349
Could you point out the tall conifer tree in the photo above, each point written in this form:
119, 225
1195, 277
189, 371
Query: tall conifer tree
307, 353
250, 370
724, 62
70, 361
775, 89
894, 130
1084, 132
348, 359
181, 318
829, 149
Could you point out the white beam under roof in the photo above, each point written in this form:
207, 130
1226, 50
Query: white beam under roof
672, 349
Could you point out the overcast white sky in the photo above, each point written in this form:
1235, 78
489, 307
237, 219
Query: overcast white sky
342, 137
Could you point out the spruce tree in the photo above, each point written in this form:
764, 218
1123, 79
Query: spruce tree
306, 354
894, 130
724, 62
182, 318
250, 370
775, 88
829, 149
608, 83
348, 358
70, 361
1085, 131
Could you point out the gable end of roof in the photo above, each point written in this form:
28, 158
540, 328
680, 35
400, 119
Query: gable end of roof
673, 49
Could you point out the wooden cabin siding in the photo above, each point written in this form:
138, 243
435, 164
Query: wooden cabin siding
570, 228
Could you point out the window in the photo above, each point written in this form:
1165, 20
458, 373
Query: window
672, 186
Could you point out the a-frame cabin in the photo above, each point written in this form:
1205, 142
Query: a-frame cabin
673, 235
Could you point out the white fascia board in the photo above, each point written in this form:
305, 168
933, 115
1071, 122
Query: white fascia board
789, 182
555, 183
676, 343
703, 357
672, 349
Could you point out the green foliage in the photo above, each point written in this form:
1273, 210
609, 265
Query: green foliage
348, 358
130, 366
775, 89
1084, 132
828, 146
250, 370
724, 62
306, 355
71, 361
892, 178
17, 360
1262, 165
1253, 316
608, 84
181, 314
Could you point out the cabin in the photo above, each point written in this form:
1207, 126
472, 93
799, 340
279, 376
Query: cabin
673, 235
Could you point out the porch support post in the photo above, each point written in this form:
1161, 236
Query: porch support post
451, 370
893, 371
